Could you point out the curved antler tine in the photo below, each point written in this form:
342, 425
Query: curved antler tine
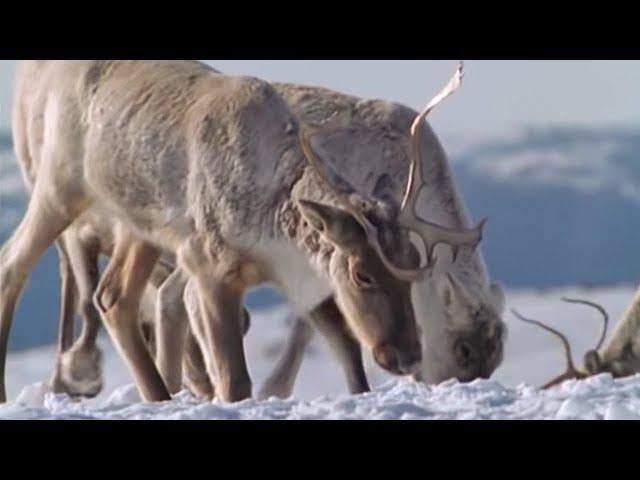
571, 371
371, 232
405, 274
603, 312
431, 233
415, 182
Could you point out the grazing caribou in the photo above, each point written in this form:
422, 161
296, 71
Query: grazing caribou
458, 307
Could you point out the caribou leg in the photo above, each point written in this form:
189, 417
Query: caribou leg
195, 368
220, 307
68, 298
78, 370
41, 225
118, 299
202, 355
282, 379
329, 322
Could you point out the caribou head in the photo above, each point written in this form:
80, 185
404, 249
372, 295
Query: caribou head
375, 262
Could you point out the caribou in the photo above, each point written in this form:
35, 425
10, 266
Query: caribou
458, 307
620, 356
218, 173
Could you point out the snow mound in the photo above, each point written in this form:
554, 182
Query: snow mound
532, 357
597, 398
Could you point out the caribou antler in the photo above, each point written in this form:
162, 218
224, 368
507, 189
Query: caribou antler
571, 371
603, 312
431, 233
347, 203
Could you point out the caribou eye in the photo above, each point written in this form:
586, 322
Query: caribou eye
362, 279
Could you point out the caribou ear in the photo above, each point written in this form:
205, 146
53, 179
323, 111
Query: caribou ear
337, 226
383, 193
497, 297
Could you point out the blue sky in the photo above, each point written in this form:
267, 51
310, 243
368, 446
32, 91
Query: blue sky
497, 98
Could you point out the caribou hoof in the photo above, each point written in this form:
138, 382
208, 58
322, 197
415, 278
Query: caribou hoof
79, 373
201, 388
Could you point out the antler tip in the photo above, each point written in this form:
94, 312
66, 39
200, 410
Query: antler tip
571, 371
600, 308
457, 78
480, 229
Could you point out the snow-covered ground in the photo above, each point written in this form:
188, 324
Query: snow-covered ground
532, 357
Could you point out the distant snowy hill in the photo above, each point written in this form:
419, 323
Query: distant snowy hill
563, 204
5, 140
563, 207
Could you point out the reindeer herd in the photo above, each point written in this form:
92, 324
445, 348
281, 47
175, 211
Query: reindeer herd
198, 186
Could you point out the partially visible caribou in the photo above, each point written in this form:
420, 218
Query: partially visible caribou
620, 356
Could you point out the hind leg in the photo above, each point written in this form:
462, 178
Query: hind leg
68, 304
41, 225
282, 379
78, 366
68, 297
327, 320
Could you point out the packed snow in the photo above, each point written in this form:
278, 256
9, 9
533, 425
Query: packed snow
531, 358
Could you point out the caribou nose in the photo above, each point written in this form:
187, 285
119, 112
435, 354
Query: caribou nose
486, 371
464, 352
386, 357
